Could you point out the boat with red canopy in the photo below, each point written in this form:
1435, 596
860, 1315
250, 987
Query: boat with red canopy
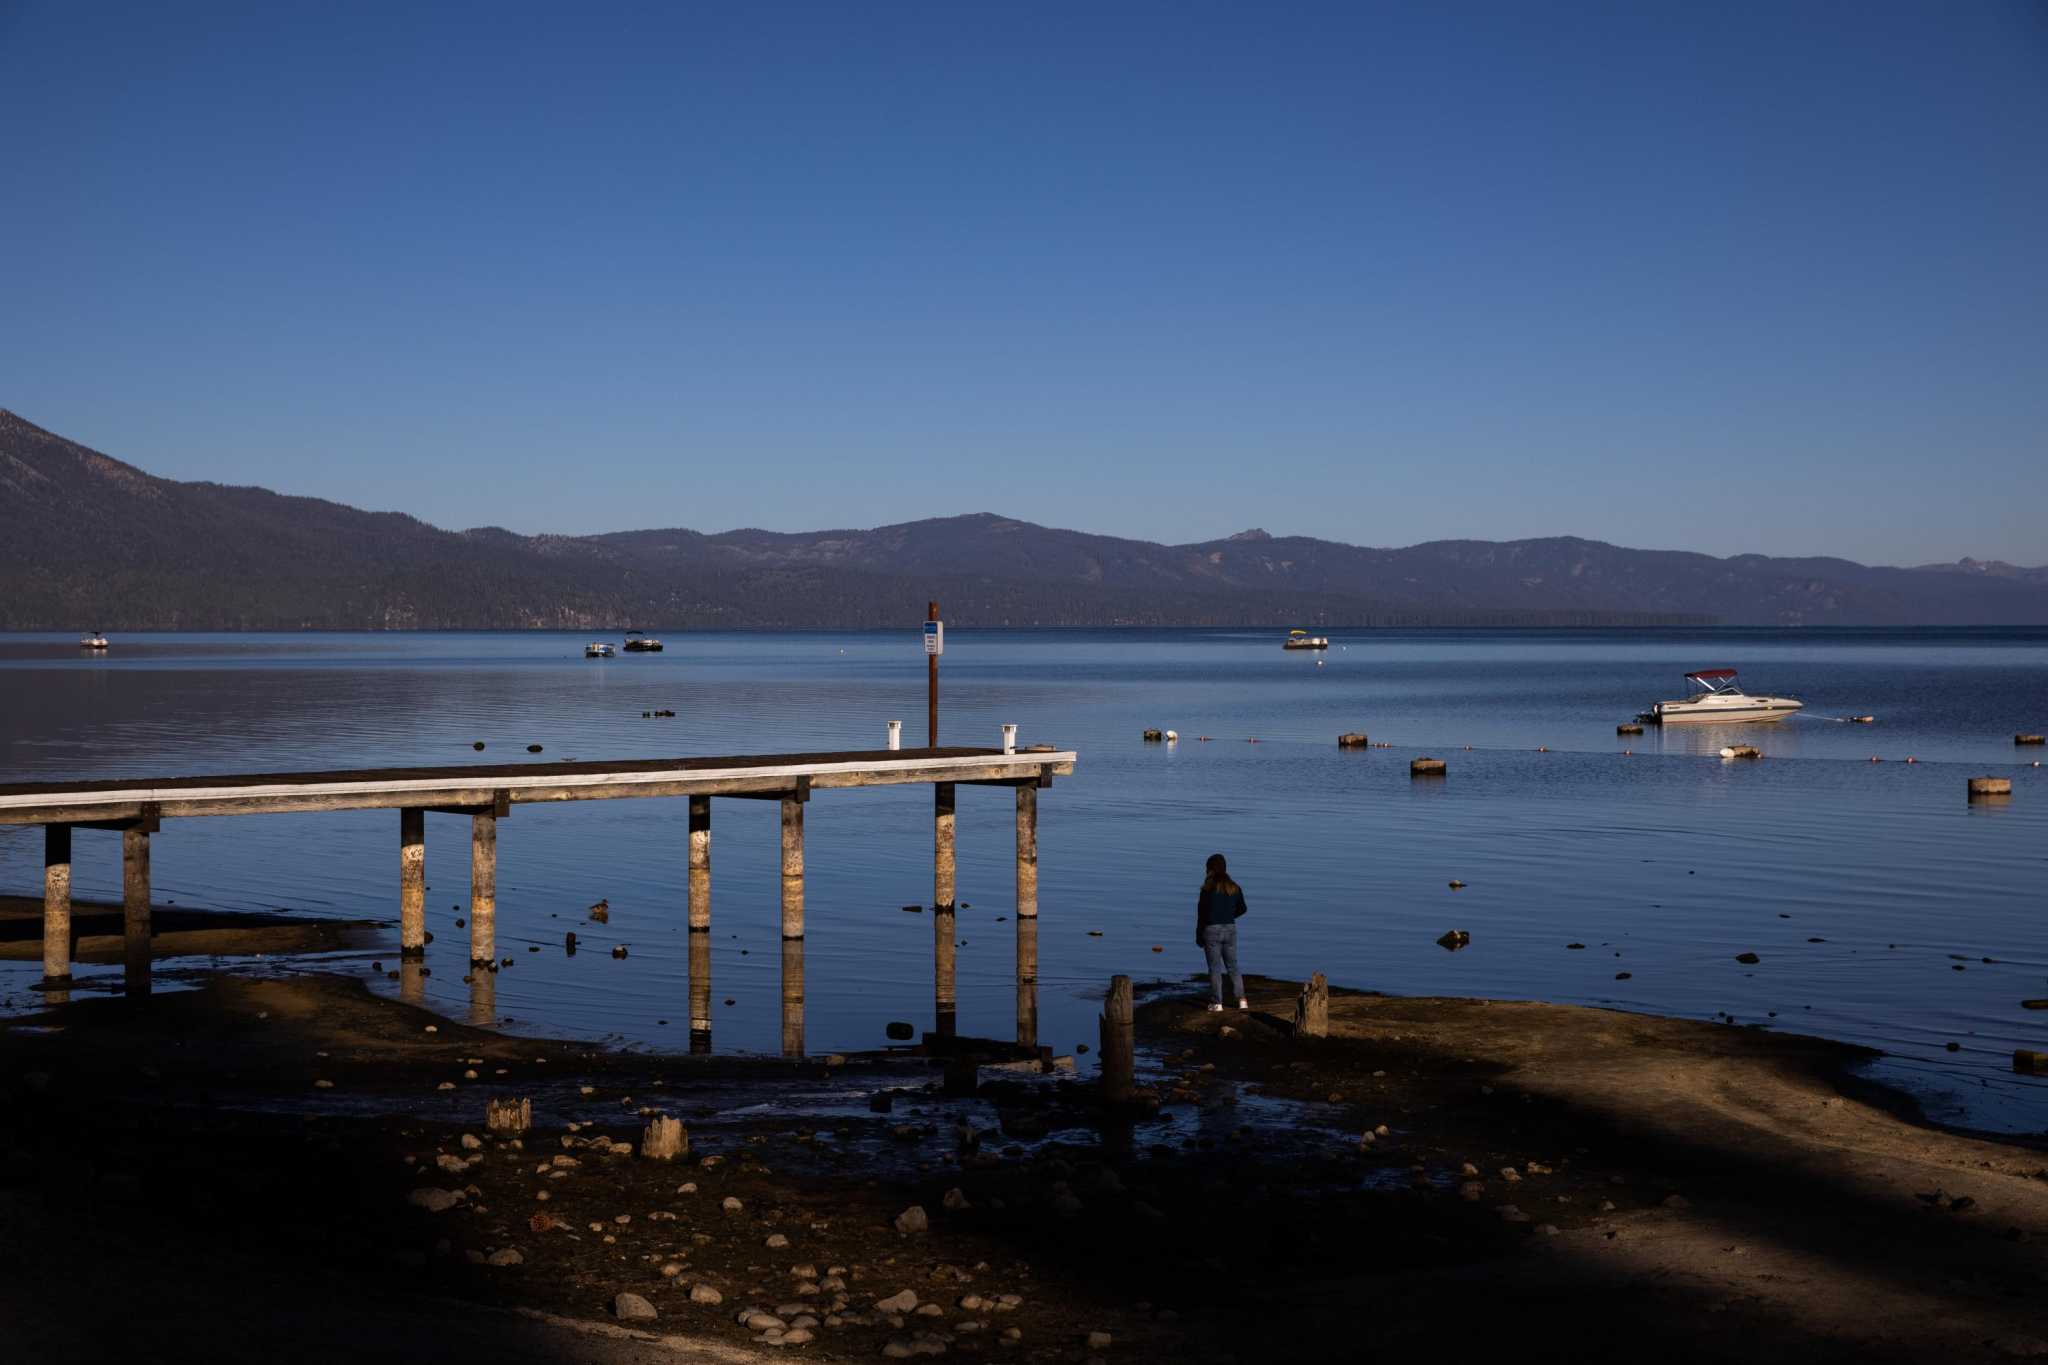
1716, 697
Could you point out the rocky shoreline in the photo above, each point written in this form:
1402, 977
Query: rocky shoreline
1436, 1175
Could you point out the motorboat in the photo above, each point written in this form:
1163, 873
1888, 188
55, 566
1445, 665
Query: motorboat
638, 642
1301, 639
1717, 697
597, 649
92, 639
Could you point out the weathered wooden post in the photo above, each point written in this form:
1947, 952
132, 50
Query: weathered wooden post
1027, 915
1119, 1042
412, 882
664, 1139
793, 866
700, 992
700, 864
944, 993
135, 909
792, 997
510, 1117
56, 904
483, 889
1312, 1008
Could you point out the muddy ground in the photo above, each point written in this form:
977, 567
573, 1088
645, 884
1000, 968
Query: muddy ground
1553, 1182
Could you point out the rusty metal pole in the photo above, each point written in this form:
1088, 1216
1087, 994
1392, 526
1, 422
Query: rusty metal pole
931, 662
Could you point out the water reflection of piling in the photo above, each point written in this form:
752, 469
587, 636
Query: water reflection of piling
792, 997
700, 992
1027, 981
412, 981
483, 997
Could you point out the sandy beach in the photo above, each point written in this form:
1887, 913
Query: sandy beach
239, 1167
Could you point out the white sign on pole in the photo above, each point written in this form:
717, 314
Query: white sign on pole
935, 637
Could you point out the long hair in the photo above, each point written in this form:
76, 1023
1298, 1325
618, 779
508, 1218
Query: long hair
1219, 876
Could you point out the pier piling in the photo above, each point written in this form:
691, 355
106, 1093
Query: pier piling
945, 997
483, 888
412, 882
1119, 1042
56, 904
1027, 916
700, 866
793, 866
135, 909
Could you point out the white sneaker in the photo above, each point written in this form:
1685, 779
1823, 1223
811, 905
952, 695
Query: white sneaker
1243, 1003
1215, 1009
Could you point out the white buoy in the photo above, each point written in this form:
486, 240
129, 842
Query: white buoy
1172, 735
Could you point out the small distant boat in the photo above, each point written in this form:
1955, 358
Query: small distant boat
597, 649
92, 639
1301, 639
638, 642
1716, 697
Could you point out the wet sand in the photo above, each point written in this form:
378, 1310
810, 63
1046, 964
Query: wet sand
175, 1177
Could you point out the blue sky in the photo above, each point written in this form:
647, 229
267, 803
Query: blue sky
1732, 277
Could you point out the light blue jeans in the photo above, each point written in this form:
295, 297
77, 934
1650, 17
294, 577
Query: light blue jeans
1219, 942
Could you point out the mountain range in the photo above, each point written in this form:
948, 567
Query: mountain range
87, 540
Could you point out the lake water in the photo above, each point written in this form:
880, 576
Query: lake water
1874, 893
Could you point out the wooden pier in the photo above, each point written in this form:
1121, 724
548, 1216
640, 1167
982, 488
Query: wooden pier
487, 794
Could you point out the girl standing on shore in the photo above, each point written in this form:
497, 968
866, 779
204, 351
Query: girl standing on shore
1216, 915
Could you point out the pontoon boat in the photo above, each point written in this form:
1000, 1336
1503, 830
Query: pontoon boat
1301, 639
597, 649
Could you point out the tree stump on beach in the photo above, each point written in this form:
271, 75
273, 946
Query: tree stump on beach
664, 1139
1312, 1009
1119, 1042
510, 1117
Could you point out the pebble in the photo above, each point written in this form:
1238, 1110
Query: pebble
445, 1085
776, 1241
633, 1308
687, 1187
701, 1292
731, 1205
323, 1085
508, 1256
903, 1302
914, 1220
956, 1200
433, 1200
1099, 1341
1677, 1201
471, 1142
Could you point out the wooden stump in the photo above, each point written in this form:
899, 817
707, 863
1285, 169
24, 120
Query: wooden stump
1990, 786
2026, 739
511, 1117
664, 1139
1427, 767
1119, 1042
1312, 1009
1351, 739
